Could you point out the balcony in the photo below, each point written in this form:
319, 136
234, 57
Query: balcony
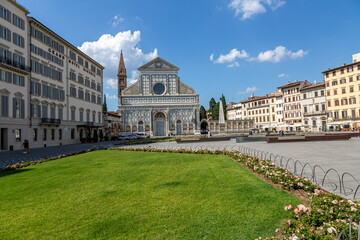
10, 63
50, 121
314, 113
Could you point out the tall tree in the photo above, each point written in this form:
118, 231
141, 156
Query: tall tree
104, 104
202, 112
215, 113
212, 104
223, 100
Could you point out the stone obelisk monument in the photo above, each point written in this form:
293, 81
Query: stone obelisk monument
221, 118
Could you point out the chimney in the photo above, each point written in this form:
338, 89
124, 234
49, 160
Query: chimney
315, 82
288, 82
252, 95
344, 64
328, 68
296, 80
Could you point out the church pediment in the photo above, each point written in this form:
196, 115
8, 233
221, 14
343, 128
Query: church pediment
158, 64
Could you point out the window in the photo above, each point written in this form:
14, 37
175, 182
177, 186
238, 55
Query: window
326, 75
305, 109
353, 115
44, 134
44, 111
93, 117
344, 114
5, 14
52, 134
323, 107
4, 106
81, 116
336, 102
316, 94
350, 69
73, 76
304, 96
19, 22
344, 102
73, 91
60, 134
18, 108
80, 94
322, 93
72, 114
328, 84
351, 89
80, 60
316, 108
18, 40
5, 33
342, 71
88, 116
18, 135
328, 93
72, 133
52, 112
352, 100
72, 55
314, 123
35, 134
334, 83
335, 91
334, 73
342, 81
60, 113
35, 110
343, 90
350, 79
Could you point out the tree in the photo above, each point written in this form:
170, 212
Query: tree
215, 113
202, 112
224, 106
212, 104
104, 104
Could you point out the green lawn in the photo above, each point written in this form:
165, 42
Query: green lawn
136, 195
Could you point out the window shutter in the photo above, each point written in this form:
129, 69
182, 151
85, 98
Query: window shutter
14, 107
22, 81
39, 110
22, 108
8, 35
39, 89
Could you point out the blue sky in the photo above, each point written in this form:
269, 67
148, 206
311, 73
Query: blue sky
235, 47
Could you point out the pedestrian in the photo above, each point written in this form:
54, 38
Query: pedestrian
26, 146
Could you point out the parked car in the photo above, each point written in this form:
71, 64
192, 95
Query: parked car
128, 136
142, 135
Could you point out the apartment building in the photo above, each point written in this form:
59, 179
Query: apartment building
51, 92
313, 103
235, 112
262, 111
342, 85
292, 105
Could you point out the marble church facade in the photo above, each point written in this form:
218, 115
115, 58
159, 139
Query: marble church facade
158, 102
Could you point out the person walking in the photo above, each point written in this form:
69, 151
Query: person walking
26, 146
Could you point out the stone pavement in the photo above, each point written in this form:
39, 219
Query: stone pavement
17, 156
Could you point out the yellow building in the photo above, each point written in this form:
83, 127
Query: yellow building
342, 86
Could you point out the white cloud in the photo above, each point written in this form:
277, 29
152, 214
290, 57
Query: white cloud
111, 96
116, 20
281, 75
230, 57
111, 83
106, 50
248, 90
278, 54
212, 57
234, 64
249, 8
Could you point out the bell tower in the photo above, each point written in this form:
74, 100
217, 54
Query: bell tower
122, 78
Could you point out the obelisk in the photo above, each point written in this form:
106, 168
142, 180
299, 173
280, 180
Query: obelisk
221, 118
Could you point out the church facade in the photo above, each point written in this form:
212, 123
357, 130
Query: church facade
158, 103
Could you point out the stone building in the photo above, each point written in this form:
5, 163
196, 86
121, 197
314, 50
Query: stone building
158, 102
313, 103
50, 91
342, 94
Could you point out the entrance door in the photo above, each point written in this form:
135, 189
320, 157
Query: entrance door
3, 139
160, 128
141, 128
178, 129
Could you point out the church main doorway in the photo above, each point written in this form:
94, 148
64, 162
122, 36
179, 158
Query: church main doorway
159, 124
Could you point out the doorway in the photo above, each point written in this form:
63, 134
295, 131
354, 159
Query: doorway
4, 143
178, 127
159, 124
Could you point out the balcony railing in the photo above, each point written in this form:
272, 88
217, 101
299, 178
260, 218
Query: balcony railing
312, 113
51, 121
16, 64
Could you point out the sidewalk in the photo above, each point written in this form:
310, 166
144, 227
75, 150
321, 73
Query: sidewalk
17, 156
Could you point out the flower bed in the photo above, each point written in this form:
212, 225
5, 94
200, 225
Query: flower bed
325, 214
